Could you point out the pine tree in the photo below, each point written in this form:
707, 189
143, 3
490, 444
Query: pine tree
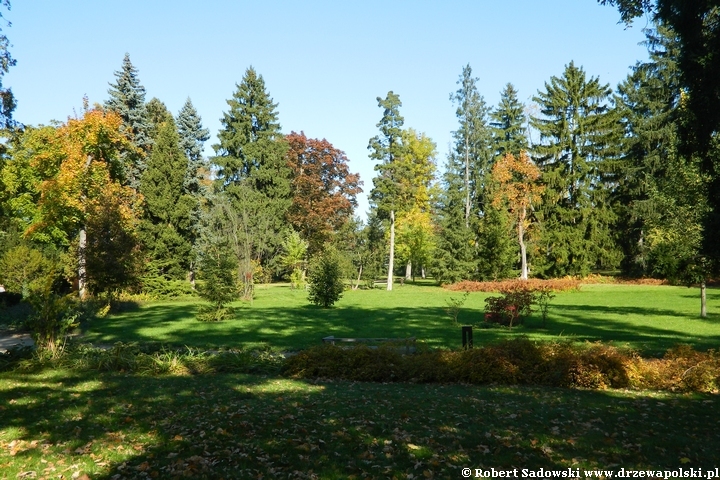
578, 131
166, 229
252, 169
386, 149
507, 124
192, 140
127, 99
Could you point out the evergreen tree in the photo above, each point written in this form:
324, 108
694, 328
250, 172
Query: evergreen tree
457, 244
157, 114
507, 124
660, 198
7, 99
387, 148
127, 99
472, 142
192, 140
578, 132
326, 283
166, 225
251, 166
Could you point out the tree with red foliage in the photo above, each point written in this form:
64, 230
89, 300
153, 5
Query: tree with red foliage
323, 189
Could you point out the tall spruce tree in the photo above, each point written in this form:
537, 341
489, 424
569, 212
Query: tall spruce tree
578, 132
387, 148
507, 124
197, 176
127, 99
456, 257
472, 142
166, 229
251, 166
192, 140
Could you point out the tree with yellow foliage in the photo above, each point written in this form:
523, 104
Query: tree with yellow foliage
517, 180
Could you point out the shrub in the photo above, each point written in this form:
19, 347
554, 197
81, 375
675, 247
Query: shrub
217, 268
159, 287
25, 270
326, 285
555, 285
53, 316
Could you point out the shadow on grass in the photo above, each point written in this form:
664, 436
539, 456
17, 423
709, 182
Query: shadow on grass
298, 327
239, 426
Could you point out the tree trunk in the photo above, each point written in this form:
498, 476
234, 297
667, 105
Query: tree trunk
703, 301
391, 261
82, 273
357, 284
408, 271
523, 250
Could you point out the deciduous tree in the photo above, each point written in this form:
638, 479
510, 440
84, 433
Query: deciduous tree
517, 180
323, 189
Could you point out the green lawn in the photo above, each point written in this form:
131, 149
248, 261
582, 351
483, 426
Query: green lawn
649, 318
113, 426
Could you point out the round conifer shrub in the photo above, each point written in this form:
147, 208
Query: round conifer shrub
326, 285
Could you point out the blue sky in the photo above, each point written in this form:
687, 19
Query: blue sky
324, 62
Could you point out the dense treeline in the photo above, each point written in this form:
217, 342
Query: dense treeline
121, 197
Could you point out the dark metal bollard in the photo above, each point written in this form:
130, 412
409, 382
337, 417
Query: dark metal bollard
467, 337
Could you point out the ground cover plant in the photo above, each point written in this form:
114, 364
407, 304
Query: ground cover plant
649, 318
115, 426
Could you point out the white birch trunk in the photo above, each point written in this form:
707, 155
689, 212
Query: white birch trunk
391, 260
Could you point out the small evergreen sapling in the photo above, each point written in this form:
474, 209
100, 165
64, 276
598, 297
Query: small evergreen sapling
218, 270
326, 285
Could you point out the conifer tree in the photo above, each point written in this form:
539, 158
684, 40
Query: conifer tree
127, 99
578, 132
387, 148
660, 198
251, 166
457, 244
157, 114
166, 229
507, 124
192, 140
472, 142
7, 99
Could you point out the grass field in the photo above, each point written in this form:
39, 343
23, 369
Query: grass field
113, 426
648, 318
57, 423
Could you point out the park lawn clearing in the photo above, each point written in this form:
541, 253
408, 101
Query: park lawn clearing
648, 318
58, 422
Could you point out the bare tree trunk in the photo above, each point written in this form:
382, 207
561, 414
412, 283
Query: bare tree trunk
357, 284
703, 300
82, 245
523, 250
82, 273
408, 271
391, 261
